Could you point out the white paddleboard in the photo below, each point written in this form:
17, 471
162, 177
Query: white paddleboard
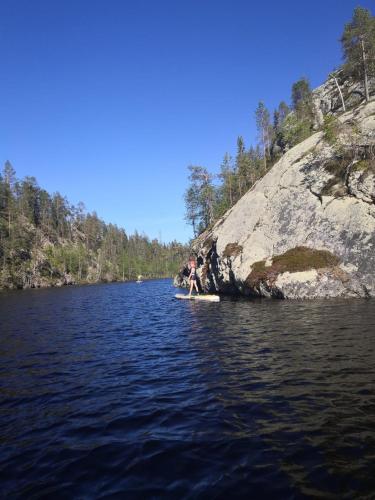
209, 298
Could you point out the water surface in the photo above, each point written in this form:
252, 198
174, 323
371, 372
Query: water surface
120, 391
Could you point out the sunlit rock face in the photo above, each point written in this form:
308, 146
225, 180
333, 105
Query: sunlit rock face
307, 228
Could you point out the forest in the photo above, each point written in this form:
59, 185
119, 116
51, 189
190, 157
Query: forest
44, 241
208, 196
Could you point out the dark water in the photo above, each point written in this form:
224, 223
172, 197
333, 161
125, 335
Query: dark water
120, 391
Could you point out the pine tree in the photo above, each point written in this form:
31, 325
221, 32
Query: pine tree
192, 208
358, 45
199, 198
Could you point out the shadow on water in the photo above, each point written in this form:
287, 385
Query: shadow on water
115, 389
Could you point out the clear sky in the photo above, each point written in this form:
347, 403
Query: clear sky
108, 101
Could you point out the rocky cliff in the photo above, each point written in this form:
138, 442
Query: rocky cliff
307, 228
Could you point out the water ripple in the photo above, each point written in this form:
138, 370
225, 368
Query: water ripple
117, 391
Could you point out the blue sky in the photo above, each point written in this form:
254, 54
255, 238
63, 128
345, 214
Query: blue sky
108, 102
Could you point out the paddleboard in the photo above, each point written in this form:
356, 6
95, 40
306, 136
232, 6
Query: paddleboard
209, 298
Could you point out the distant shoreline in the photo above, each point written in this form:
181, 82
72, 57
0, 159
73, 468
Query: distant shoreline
75, 285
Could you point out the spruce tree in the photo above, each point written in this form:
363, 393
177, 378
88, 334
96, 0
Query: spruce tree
279, 143
241, 166
227, 178
262, 117
302, 100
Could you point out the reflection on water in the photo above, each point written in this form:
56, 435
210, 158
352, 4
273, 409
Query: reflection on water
120, 389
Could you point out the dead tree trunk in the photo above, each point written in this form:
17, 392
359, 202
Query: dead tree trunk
339, 89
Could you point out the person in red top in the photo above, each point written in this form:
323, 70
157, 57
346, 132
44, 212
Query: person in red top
193, 275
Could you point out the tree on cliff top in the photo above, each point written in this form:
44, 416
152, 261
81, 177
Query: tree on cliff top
199, 199
298, 125
227, 188
358, 45
278, 140
263, 123
302, 100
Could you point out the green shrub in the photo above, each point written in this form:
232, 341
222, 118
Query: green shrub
331, 129
295, 130
364, 166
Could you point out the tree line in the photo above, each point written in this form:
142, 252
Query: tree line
209, 196
44, 238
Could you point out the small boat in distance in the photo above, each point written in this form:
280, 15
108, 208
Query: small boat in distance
139, 280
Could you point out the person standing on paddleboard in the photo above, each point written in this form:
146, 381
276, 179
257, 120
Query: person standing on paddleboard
193, 276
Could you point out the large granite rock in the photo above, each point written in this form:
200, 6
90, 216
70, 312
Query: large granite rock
326, 97
306, 229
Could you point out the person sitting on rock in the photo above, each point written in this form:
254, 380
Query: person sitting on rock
193, 276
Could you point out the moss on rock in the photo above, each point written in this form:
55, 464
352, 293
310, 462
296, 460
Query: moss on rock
295, 260
364, 166
232, 250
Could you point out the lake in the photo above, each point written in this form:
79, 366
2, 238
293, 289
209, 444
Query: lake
121, 391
